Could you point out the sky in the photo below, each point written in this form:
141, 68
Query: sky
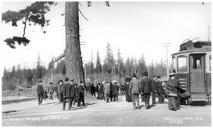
136, 28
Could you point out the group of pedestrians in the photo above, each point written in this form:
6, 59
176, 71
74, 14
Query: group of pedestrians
110, 91
106, 90
146, 87
72, 93
135, 87
67, 91
141, 87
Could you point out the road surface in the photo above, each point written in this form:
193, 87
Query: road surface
99, 113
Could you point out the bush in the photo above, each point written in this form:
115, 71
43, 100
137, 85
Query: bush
8, 85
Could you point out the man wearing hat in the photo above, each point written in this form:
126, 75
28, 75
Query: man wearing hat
146, 89
154, 89
172, 92
40, 91
160, 90
127, 93
115, 90
81, 94
59, 90
51, 91
134, 91
107, 91
68, 93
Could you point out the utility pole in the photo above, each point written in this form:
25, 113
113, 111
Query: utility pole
209, 33
167, 46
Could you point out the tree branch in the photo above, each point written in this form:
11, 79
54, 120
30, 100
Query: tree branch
83, 15
25, 25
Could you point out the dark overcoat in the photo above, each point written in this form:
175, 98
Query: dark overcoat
68, 90
40, 89
146, 85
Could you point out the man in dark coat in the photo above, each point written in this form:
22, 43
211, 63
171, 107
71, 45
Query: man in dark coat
100, 91
172, 92
127, 93
76, 95
68, 93
134, 91
92, 87
115, 90
160, 90
154, 90
51, 91
40, 91
146, 89
81, 94
59, 90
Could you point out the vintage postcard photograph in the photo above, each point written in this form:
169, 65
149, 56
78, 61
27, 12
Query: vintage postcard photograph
106, 63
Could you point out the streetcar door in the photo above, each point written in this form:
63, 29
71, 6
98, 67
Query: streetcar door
197, 68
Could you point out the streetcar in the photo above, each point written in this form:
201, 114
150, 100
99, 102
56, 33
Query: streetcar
192, 68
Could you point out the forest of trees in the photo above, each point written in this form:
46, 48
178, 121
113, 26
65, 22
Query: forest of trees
110, 68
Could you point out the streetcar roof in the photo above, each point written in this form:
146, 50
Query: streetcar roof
194, 50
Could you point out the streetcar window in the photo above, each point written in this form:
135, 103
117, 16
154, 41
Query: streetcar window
196, 61
174, 64
182, 64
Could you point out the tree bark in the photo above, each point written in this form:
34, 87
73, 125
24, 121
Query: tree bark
73, 59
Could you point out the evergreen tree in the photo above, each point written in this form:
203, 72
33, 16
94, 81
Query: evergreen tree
120, 64
141, 66
109, 62
39, 72
98, 67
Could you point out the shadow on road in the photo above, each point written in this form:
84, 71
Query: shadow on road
198, 103
9, 111
89, 103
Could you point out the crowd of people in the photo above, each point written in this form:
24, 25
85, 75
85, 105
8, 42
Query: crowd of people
134, 87
67, 91
146, 87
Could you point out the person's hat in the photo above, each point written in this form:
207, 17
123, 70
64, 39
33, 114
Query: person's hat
103, 82
66, 78
40, 81
134, 75
172, 74
114, 81
145, 73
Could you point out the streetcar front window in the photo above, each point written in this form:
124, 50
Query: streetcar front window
174, 64
182, 64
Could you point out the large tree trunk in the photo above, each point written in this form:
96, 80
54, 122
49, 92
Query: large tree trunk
73, 59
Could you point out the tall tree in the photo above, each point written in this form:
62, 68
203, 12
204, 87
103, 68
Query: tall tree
35, 13
141, 66
120, 66
109, 63
130, 66
98, 67
151, 70
40, 71
73, 59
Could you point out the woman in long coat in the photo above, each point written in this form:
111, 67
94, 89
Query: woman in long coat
100, 91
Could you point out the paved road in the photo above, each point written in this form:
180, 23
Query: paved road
99, 113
